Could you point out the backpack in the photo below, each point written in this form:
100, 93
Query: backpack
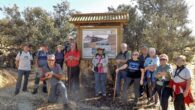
124, 54
104, 55
20, 53
177, 73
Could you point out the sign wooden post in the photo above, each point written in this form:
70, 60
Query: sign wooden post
98, 29
100, 25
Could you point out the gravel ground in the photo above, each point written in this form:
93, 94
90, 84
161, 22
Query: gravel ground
83, 100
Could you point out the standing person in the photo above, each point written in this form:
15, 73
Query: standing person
121, 59
100, 63
135, 71
40, 62
163, 77
143, 56
72, 60
67, 44
59, 55
52, 73
151, 63
181, 83
23, 63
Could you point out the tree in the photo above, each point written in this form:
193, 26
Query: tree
35, 25
166, 26
62, 13
160, 24
133, 30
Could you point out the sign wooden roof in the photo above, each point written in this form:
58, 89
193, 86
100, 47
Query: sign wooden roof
99, 18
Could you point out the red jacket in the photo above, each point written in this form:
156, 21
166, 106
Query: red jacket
72, 63
176, 88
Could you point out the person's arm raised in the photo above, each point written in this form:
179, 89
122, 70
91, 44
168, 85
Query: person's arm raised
121, 68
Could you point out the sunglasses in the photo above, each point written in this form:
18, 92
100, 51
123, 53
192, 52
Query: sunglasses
134, 54
50, 60
162, 59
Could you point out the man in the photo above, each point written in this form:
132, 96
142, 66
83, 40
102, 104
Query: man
40, 62
142, 58
143, 54
121, 59
23, 63
52, 73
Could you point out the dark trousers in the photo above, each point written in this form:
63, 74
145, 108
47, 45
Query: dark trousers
179, 102
22, 73
121, 75
164, 93
136, 82
149, 85
60, 62
73, 77
37, 80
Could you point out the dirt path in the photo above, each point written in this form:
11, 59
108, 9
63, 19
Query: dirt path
84, 100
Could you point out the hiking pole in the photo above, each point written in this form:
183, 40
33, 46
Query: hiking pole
116, 77
69, 76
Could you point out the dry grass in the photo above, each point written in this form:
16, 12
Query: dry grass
27, 101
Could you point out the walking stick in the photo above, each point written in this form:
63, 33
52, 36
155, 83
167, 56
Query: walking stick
69, 80
116, 77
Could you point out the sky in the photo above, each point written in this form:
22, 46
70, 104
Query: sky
86, 6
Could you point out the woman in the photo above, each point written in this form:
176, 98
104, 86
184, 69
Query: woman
181, 82
59, 55
135, 71
72, 60
163, 76
150, 64
100, 62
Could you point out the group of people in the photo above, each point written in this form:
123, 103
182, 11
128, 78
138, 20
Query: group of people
48, 68
151, 74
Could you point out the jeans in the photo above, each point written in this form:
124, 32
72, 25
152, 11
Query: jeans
22, 73
179, 102
58, 93
164, 93
100, 83
121, 75
136, 87
149, 84
73, 77
37, 80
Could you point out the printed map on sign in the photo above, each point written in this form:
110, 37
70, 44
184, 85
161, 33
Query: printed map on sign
104, 38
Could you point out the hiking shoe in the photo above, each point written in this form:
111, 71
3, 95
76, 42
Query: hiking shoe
35, 91
98, 94
135, 102
25, 90
16, 92
104, 95
66, 107
44, 89
117, 95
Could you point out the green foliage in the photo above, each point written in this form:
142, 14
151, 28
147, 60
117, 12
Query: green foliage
160, 24
35, 26
133, 30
